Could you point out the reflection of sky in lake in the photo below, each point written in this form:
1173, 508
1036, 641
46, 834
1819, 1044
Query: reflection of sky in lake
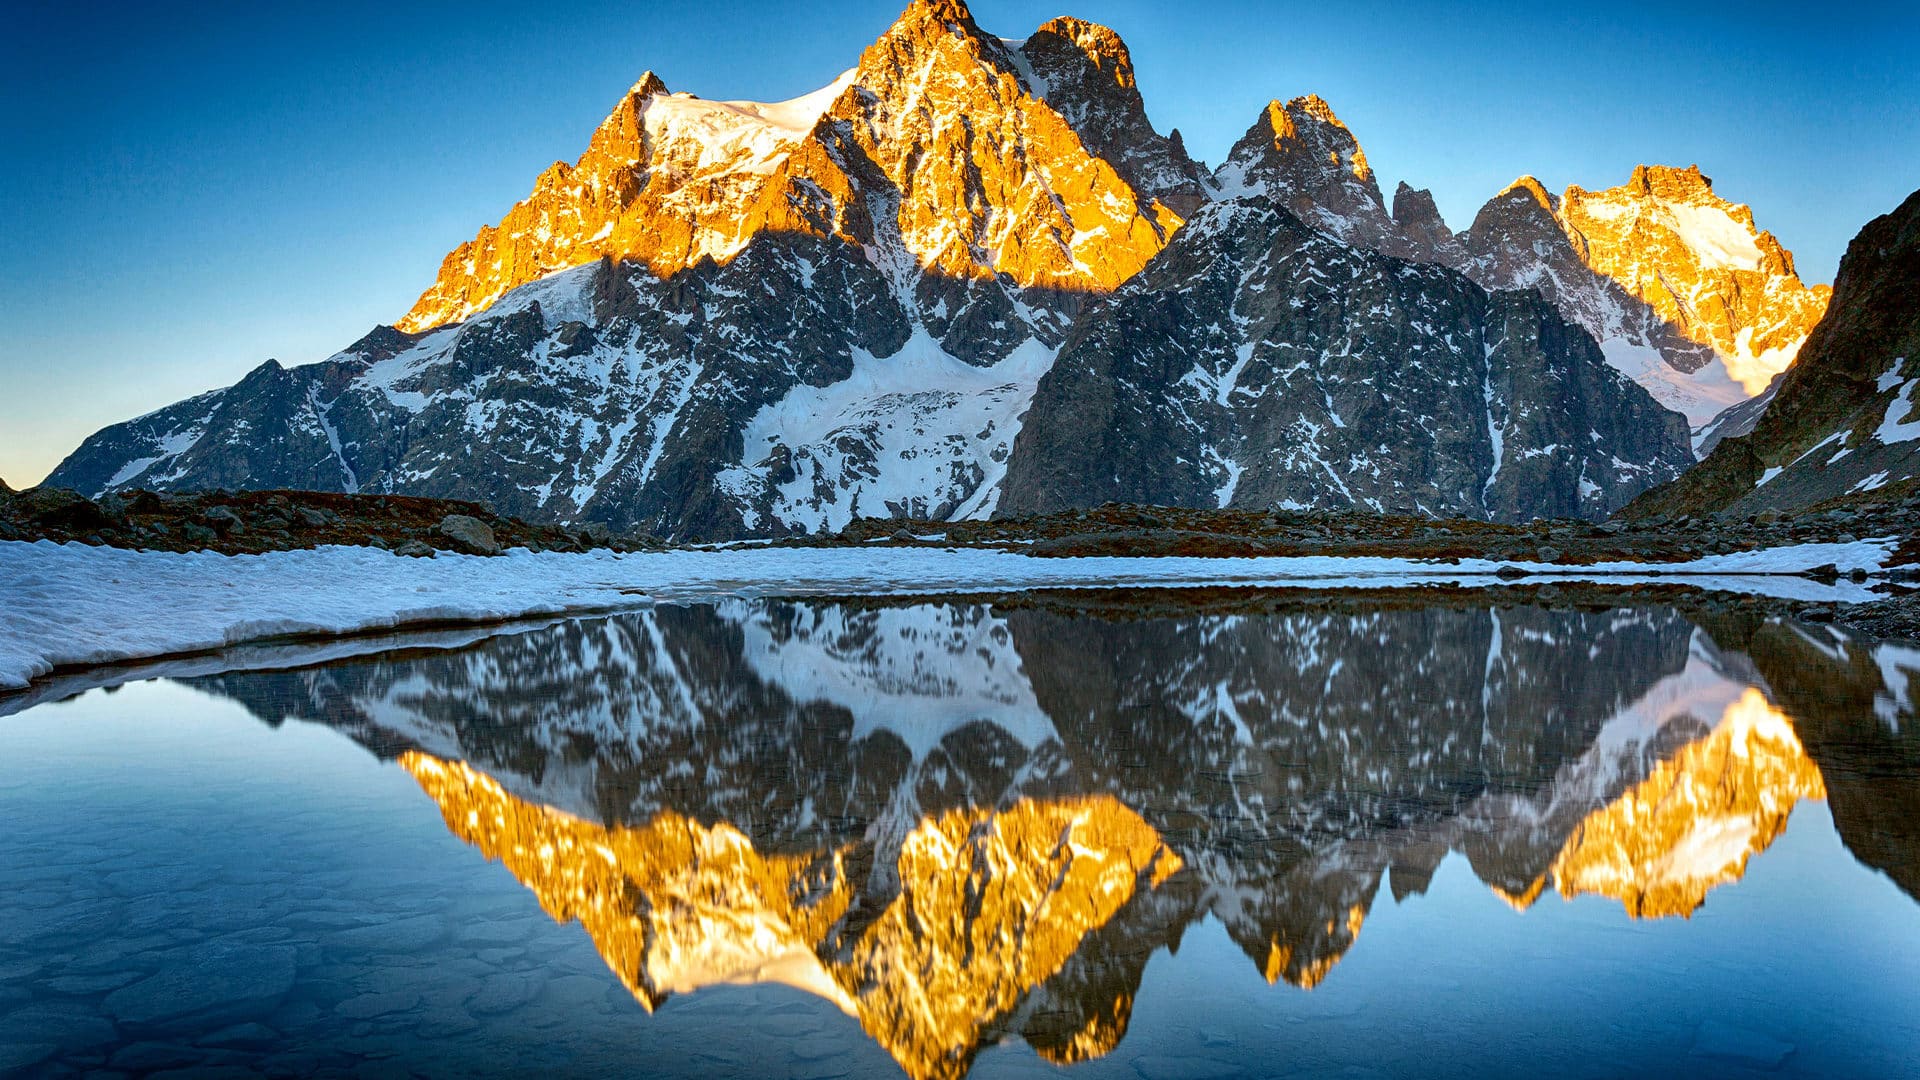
342, 926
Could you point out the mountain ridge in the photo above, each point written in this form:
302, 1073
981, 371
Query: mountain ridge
648, 340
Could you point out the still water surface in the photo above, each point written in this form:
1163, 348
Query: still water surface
1255, 836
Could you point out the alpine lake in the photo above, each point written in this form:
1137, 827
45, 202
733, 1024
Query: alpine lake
1192, 833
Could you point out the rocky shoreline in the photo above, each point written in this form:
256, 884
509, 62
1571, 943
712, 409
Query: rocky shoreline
1156, 530
251, 522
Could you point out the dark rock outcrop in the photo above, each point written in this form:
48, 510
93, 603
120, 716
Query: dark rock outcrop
1418, 220
1299, 155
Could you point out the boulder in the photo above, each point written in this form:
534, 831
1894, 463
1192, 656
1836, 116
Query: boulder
318, 518
59, 508
468, 534
221, 519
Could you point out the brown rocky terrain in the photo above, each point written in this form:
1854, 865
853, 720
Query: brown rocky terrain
255, 521
1118, 529
249, 522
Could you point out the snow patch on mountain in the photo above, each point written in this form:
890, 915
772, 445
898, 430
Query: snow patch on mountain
74, 605
1902, 420
736, 136
1036, 85
564, 296
392, 375
1715, 238
1700, 395
919, 432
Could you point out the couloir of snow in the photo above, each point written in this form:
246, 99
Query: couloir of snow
1700, 395
70, 605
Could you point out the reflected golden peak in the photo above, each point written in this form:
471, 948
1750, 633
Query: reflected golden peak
1695, 820
673, 906
1102, 1031
1307, 971
1521, 901
989, 905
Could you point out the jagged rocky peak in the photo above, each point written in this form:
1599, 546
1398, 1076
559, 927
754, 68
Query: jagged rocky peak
1516, 237
1684, 295
1525, 204
666, 181
1259, 362
1530, 188
987, 180
1418, 218
1301, 156
623, 128
1085, 73
1701, 264
740, 318
1305, 139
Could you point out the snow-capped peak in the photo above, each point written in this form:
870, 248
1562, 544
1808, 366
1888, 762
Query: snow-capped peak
692, 131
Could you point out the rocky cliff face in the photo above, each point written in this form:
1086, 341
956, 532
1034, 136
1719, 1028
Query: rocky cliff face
1845, 419
963, 824
1701, 264
735, 318
788, 315
601, 394
1259, 363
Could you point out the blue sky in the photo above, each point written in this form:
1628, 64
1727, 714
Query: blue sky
191, 189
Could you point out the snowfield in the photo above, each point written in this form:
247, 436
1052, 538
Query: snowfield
69, 605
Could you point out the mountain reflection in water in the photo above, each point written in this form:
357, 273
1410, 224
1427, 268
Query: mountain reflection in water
960, 823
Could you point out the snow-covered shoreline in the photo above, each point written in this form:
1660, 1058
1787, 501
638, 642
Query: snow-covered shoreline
70, 605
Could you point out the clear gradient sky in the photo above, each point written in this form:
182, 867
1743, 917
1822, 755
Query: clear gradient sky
190, 189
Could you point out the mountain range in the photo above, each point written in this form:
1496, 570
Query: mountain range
969, 276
